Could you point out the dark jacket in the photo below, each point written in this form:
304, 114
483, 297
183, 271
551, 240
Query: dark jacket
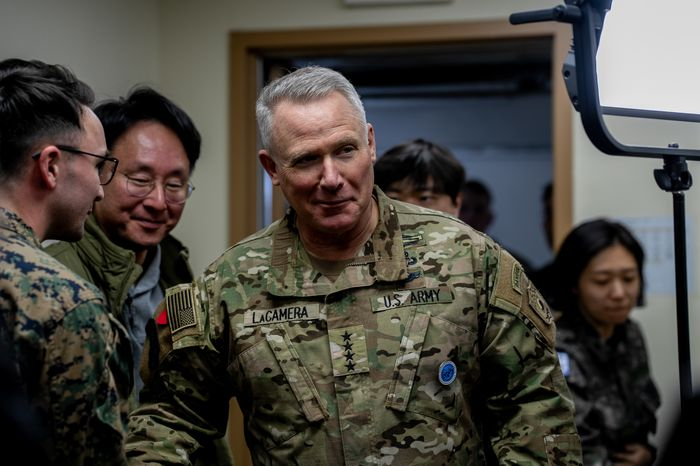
114, 269
615, 397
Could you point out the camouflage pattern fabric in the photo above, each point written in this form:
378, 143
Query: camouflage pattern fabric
431, 347
114, 270
614, 394
71, 357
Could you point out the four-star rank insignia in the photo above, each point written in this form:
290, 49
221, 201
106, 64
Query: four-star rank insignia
348, 350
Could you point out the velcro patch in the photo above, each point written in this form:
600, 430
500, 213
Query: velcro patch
517, 277
348, 350
513, 292
507, 293
179, 302
537, 310
538, 303
401, 298
254, 317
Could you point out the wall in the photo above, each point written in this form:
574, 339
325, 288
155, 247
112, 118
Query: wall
110, 45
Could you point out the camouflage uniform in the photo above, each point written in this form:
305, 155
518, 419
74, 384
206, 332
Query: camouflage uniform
114, 271
614, 395
71, 357
428, 347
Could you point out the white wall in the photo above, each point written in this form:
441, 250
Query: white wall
110, 45
182, 46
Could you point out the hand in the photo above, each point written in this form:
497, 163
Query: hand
635, 454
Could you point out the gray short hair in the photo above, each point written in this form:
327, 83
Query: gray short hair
302, 86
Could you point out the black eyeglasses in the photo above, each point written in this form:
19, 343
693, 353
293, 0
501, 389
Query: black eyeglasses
105, 169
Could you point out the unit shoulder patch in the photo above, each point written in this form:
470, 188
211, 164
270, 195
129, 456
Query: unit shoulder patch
537, 311
508, 288
514, 292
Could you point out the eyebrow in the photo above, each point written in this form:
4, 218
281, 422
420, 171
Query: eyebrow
612, 271
140, 167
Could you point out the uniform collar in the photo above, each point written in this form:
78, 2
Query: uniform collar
12, 222
382, 258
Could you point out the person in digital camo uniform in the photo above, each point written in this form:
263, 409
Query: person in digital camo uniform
357, 329
69, 360
602, 350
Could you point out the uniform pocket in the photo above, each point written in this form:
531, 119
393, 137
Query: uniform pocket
283, 396
431, 350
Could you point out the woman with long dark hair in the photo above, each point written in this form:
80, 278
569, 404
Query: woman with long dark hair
602, 352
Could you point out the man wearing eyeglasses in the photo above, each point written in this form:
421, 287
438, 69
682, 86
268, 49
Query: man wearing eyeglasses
128, 251
68, 357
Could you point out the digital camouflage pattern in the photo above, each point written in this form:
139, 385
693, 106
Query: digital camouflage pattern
67, 350
615, 397
357, 370
113, 269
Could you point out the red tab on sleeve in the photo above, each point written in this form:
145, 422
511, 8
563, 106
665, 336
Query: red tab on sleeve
162, 318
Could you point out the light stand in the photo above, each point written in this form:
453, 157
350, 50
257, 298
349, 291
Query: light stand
675, 178
580, 75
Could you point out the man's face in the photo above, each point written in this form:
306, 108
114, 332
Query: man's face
80, 188
147, 152
476, 211
405, 190
322, 158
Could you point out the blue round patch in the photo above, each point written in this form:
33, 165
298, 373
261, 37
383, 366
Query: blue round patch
447, 372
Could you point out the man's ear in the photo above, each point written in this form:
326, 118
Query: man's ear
371, 142
269, 165
458, 202
48, 166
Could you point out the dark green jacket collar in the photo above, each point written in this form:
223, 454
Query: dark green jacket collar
114, 269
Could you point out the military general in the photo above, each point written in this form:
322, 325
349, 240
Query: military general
356, 329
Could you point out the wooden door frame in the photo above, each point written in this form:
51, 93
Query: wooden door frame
247, 48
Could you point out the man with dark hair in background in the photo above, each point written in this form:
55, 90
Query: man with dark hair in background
476, 205
476, 212
66, 355
545, 277
422, 173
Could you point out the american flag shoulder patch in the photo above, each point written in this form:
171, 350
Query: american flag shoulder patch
179, 302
